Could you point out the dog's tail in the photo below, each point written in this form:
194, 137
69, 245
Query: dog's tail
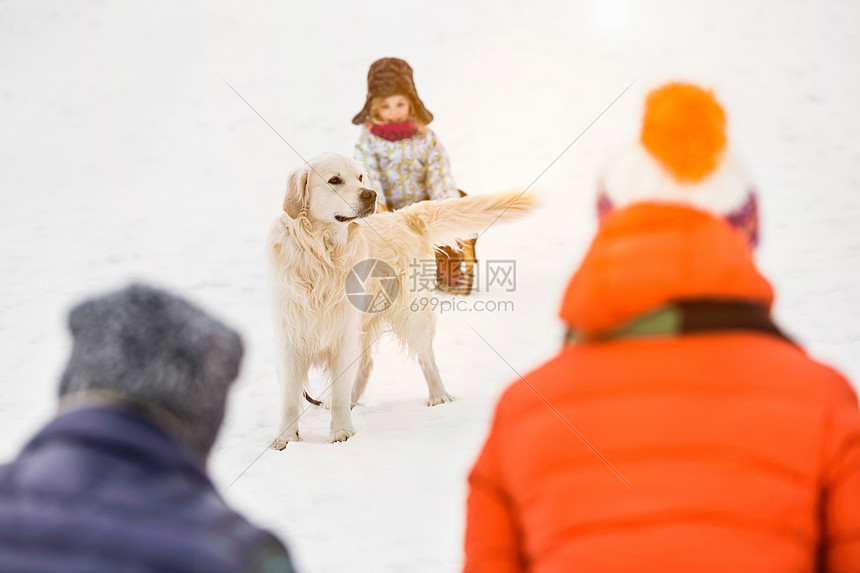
444, 222
311, 400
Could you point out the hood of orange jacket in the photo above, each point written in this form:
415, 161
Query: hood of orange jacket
650, 255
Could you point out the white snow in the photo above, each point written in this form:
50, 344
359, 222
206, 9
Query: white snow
124, 155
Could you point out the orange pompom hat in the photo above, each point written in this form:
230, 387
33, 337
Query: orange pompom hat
682, 157
685, 129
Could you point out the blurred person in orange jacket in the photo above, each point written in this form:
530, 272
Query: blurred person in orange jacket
678, 429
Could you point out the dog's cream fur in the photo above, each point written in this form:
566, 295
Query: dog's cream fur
327, 226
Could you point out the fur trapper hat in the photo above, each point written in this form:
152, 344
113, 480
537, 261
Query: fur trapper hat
388, 77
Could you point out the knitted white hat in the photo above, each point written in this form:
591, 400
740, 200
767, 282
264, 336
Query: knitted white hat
682, 156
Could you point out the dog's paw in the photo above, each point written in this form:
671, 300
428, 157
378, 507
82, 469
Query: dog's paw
341, 435
281, 442
443, 398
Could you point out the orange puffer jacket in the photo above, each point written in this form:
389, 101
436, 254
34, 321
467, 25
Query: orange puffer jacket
720, 451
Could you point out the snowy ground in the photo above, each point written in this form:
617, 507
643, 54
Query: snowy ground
125, 155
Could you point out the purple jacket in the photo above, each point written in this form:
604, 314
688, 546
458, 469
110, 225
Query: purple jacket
103, 490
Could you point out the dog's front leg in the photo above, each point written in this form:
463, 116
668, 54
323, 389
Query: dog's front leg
292, 376
365, 364
343, 373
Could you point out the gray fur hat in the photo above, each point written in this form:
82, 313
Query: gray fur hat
157, 352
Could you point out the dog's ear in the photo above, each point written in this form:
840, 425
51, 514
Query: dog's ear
297, 196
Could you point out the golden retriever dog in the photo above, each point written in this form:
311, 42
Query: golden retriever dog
327, 227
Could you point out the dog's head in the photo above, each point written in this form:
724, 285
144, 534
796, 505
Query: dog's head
332, 188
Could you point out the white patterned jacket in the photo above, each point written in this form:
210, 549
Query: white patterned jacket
406, 171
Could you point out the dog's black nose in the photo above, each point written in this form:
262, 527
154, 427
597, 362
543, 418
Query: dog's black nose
368, 195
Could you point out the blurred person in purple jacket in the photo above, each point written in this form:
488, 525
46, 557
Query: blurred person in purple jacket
117, 481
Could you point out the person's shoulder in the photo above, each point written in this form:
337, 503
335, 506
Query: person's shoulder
525, 391
554, 381
5, 475
270, 557
431, 139
364, 134
260, 550
839, 387
802, 374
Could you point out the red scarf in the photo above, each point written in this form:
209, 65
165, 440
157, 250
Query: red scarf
394, 131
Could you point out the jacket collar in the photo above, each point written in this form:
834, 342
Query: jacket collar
120, 430
650, 255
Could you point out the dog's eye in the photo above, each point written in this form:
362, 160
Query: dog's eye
360, 178
335, 180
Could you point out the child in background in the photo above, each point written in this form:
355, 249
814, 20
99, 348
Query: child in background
405, 160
